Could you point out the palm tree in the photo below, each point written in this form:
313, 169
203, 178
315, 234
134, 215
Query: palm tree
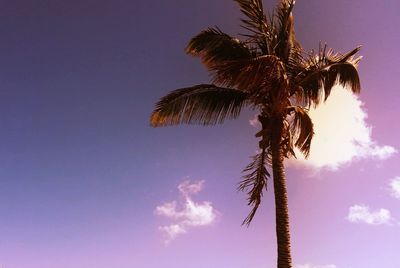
269, 72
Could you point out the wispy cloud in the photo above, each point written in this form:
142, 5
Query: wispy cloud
172, 231
188, 187
308, 265
363, 214
254, 122
395, 187
342, 133
191, 214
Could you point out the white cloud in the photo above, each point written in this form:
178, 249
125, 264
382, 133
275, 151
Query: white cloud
172, 231
395, 187
341, 133
167, 209
382, 152
362, 214
191, 214
254, 122
308, 265
188, 187
198, 214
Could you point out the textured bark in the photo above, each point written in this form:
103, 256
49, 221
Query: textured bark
281, 199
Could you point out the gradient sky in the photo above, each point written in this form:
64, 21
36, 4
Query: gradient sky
86, 182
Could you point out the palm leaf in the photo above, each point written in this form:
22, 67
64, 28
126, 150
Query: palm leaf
203, 104
302, 130
287, 47
254, 182
283, 14
215, 47
326, 69
247, 74
256, 23
253, 10
285, 37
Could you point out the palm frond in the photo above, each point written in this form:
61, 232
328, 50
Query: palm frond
254, 182
254, 11
214, 47
284, 12
287, 141
302, 130
285, 33
203, 104
321, 72
349, 56
256, 23
247, 74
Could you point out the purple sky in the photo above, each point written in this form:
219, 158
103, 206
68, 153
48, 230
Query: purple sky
86, 182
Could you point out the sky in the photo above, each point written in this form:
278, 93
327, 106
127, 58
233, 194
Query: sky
86, 182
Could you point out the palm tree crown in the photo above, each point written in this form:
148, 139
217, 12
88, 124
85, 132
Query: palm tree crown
267, 70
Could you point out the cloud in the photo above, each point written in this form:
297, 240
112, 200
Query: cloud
308, 265
187, 187
362, 214
254, 122
167, 209
395, 187
341, 133
382, 152
190, 215
193, 214
172, 231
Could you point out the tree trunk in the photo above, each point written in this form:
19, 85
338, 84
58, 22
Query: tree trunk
281, 200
